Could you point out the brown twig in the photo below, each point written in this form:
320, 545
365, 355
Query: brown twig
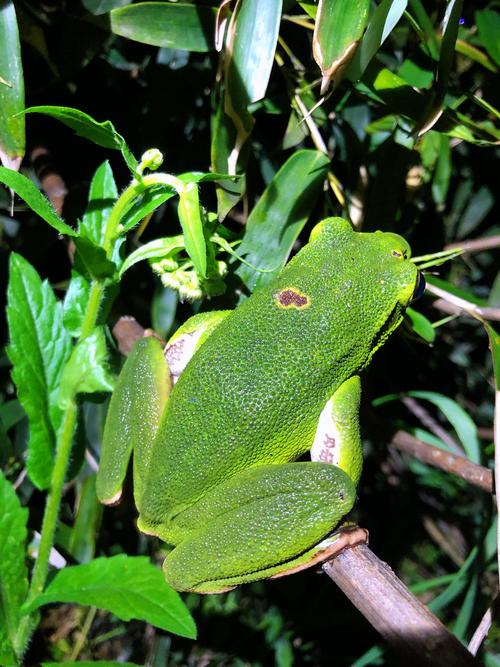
483, 628
449, 303
413, 632
458, 465
476, 245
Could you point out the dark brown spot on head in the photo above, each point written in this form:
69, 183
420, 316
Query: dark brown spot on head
291, 298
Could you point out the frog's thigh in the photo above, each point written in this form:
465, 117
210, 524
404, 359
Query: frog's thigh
261, 522
188, 338
337, 440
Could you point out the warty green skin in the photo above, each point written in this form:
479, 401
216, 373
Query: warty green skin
250, 399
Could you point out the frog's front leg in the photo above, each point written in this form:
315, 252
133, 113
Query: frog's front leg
272, 520
139, 400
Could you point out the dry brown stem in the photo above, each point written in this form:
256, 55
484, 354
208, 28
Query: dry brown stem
458, 465
412, 631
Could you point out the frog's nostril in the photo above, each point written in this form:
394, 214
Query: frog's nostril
420, 287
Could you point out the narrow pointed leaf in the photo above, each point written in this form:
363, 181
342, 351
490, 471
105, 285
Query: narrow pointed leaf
39, 348
253, 37
156, 249
146, 203
127, 587
176, 26
12, 134
28, 191
279, 216
103, 134
382, 22
338, 28
192, 227
435, 105
488, 24
13, 572
458, 418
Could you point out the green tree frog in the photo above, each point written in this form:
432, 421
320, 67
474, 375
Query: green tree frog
214, 453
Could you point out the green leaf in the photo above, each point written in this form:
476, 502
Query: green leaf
103, 134
420, 325
12, 135
92, 259
97, 7
86, 372
250, 47
253, 34
382, 22
338, 28
192, 227
39, 347
177, 26
11, 413
494, 338
163, 310
102, 196
75, 303
147, 202
26, 189
129, 587
13, 572
488, 25
279, 216
458, 418
435, 103
90, 663
157, 249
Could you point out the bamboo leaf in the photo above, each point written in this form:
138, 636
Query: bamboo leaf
12, 134
176, 26
338, 29
488, 24
382, 22
280, 215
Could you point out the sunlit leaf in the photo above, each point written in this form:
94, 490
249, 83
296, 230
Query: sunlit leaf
12, 137
126, 586
102, 134
39, 347
13, 571
279, 216
174, 25
27, 190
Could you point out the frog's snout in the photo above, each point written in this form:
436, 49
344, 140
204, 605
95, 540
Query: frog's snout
419, 287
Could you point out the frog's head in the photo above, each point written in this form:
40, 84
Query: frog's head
395, 279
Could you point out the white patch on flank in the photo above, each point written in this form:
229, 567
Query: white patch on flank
179, 352
326, 445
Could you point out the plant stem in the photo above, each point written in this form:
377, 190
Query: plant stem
50, 517
126, 198
63, 452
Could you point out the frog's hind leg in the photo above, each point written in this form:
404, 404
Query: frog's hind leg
260, 523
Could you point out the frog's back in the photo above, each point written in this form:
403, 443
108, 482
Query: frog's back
253, 392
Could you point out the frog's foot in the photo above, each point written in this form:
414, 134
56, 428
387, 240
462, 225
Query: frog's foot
262, 522
345, 538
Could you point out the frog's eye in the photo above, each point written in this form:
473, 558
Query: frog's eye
419, 287
399, 254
